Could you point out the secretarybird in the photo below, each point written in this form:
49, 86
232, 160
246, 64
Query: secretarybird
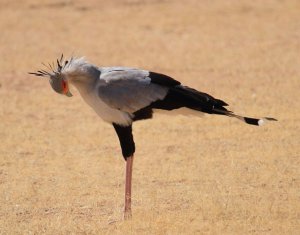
122, 95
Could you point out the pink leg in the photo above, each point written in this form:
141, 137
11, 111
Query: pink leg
127, 211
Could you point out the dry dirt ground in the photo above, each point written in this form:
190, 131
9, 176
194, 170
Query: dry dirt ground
61, 169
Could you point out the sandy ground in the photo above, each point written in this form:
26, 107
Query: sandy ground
61, 169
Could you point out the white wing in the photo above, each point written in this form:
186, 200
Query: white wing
128, 89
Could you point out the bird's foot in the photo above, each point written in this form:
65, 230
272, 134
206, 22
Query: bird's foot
127, 215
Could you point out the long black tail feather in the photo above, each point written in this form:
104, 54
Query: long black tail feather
183, 96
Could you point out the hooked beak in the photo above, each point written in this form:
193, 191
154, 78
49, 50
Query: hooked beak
69, 94
60, 86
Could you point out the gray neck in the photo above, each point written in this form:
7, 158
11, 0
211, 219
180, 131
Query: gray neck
85, 80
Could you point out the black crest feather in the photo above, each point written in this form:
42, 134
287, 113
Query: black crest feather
53, 70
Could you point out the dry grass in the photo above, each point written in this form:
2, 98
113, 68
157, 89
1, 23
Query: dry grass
61, 170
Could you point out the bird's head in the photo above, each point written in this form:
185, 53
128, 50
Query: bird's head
57, 78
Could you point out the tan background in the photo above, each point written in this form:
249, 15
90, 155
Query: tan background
61, 169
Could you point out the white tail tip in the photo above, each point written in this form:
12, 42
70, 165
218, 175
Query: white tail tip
261, 122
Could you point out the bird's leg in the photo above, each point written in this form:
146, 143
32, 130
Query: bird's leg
128, 148
128, 177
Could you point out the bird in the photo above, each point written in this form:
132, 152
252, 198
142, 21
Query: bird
122, 95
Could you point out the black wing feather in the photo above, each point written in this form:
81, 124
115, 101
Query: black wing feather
163, 80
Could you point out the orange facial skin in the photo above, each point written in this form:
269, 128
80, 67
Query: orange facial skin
65, 87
